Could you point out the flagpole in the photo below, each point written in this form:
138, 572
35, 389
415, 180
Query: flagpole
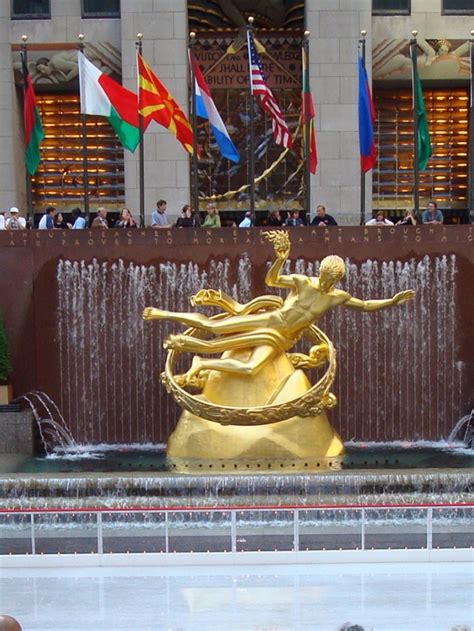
307, 140
195, 183
29, 200
362, 42
141, 148
85, 161
471, 132
416, 171
252, 133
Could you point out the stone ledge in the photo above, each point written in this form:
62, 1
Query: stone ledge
16, 432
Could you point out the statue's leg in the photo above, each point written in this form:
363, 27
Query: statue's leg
232, 324
259, 357
190, 344
189, 319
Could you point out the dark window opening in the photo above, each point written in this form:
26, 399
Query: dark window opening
30, 9
391, 7
100, 8
458, 7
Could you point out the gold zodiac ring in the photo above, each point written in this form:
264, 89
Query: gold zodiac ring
312, 402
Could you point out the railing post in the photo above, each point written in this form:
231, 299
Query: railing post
100, 539
167, 540
233, 530
429, 528
33, 542
296, 530
362, 529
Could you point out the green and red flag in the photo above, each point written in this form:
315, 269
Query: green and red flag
102, 96
34, 133
308, 114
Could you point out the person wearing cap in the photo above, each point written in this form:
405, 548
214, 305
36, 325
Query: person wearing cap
15, 222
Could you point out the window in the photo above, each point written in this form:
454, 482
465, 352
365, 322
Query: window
446, 177
458, 7
391, 7
30, 9
59, 178
100, 8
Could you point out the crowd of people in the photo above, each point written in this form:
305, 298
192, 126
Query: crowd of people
52, 219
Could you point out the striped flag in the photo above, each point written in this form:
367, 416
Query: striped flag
268, 103
205, 108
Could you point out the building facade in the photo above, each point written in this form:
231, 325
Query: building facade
110, 30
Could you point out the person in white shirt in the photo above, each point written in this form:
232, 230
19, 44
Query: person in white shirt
15, 222
246, 221
379, 220
2, 221
47, 220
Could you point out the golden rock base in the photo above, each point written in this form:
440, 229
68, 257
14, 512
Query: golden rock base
296, 443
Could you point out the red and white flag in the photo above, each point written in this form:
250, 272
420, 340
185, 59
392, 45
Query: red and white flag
268, 103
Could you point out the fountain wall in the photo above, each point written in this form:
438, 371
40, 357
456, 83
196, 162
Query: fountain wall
73, 301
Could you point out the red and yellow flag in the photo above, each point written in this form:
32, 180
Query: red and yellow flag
156, 103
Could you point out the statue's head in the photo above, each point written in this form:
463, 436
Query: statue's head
331, 270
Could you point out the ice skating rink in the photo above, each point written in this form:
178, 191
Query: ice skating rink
379, 597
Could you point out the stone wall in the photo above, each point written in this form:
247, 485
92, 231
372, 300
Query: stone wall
163, 24
335, 30
16, 433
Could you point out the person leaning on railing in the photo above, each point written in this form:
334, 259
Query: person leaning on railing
212, 219
408, 219
432, 215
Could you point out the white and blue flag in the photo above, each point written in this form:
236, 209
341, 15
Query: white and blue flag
206, 108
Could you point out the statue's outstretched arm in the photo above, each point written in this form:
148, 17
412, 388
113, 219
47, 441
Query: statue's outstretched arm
376, 305
281, 245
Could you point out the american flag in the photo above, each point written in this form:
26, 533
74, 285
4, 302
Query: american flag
268, 103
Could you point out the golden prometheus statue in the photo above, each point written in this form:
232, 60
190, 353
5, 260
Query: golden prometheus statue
257, 407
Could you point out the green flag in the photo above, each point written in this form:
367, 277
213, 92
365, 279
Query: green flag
424, 145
